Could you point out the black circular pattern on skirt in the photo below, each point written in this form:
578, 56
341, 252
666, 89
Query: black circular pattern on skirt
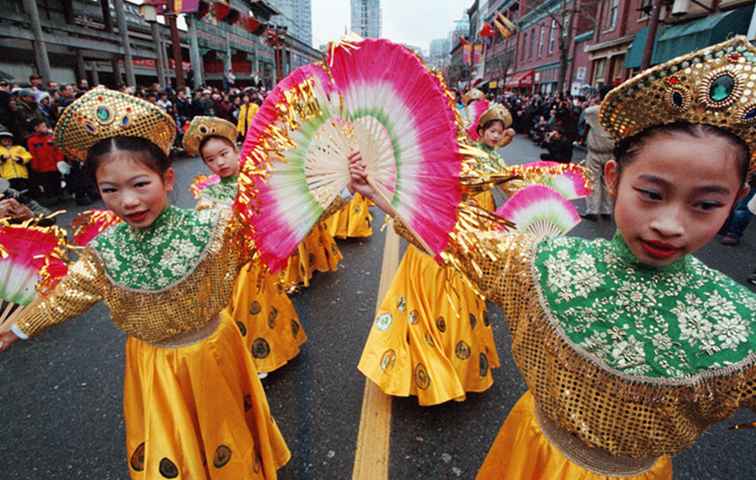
242, 328
272, 315
441, 324
462, 350
168, 469
473, 321
260, 348
255, 308
388, 359
483, 364
295, 328
137, 458
222, 456
421, 377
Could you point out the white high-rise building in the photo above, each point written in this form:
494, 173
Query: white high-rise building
296, 16
439, 52
366, 18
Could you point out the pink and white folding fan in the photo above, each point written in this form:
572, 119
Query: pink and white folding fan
294, 162
570, 180
476, 110
32, 258
406, 132
540, 211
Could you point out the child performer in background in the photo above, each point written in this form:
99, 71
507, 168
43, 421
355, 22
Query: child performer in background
259, 304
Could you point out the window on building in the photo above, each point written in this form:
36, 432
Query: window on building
541, 40
531, 47
645, 8
552, 36
611, 14
599, 68
524, 46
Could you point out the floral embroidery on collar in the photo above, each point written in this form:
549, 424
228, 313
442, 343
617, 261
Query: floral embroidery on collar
223, 192
670, 322
159, 256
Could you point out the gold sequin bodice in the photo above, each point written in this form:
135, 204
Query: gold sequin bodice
151, 316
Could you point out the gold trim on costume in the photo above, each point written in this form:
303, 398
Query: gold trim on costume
713, 86
101, 113
203, 127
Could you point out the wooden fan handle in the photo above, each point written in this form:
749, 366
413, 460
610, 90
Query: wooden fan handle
394, 214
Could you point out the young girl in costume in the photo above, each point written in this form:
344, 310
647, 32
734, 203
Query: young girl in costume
193, 405
494, 132
260, 306
432, 324
631, 348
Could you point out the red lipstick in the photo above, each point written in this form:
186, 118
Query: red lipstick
659, 250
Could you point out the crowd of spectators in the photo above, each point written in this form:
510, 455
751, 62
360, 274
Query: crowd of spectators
34, 166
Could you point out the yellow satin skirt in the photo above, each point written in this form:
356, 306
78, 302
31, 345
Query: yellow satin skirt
318, 252
354, 221
266, 318
199, 411
431, 337
521, 451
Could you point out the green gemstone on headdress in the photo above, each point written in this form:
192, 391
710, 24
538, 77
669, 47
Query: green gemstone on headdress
103, 114
721, 88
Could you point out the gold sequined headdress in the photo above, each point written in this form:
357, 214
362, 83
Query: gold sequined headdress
102, 113
472, 94
713, 86
496, 112
202, 127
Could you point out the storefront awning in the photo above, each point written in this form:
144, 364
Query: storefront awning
681, 39
634, 56
521, 79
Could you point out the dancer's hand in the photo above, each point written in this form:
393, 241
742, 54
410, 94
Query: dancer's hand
358, 182
6, 340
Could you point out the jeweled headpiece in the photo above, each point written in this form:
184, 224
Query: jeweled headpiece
472, 94
203, 127
496, 112
102, 113
713, 86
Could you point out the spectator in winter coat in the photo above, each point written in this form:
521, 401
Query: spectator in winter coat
13, 161
45, 176
27, 113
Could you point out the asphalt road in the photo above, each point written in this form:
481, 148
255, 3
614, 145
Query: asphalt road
60, 394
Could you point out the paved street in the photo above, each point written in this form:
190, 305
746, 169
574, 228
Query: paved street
60, 395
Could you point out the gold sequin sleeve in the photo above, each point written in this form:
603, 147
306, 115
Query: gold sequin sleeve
74, 295
497, 262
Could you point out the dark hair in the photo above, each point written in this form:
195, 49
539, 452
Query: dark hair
627, 148
204, 141
487, 125
142, 149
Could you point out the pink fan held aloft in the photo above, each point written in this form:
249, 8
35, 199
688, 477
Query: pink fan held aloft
540, 211
476, 110
406, 131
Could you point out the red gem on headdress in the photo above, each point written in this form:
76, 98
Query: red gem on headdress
734, 57
100, 98
672, 80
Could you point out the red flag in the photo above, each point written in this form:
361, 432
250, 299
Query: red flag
220, 10
486, 31
252, 25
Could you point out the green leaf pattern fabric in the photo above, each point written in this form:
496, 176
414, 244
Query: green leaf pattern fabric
223, 192
668, 322
157, 257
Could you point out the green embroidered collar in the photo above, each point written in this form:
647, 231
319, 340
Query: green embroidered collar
222, 192
159, 256
676, 321
493, 162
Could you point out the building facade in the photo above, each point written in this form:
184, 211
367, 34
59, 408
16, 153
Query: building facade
366, 18
593, 42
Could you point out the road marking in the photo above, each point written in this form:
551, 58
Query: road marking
371, 456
